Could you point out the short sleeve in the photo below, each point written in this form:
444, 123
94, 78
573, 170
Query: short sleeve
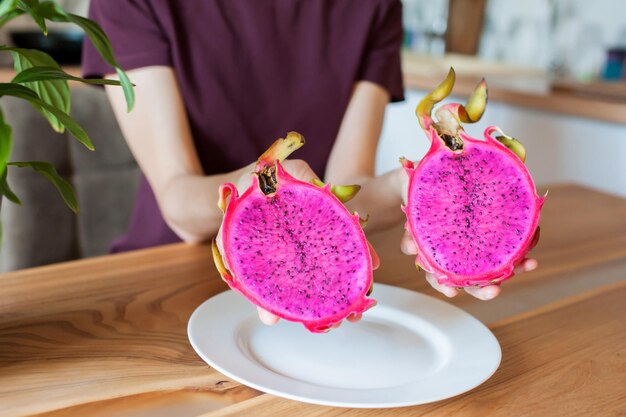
381, 61
135, 35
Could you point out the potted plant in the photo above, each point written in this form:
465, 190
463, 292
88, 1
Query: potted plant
41, 81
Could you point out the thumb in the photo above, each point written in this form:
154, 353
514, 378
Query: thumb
299, 169
407, 244
375, 258
266, 317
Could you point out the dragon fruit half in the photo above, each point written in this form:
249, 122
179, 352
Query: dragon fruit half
472, 208
291, 247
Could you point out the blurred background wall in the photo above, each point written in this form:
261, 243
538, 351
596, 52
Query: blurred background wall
554, 40
565, 37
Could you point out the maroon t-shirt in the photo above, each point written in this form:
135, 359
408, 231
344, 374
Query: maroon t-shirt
250, 71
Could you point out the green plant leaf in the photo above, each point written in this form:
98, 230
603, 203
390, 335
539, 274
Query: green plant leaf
127, 88
6, 142
53, 92
49, 171
100, 41
10, 15
52, 73
98, 38
19, 91
32, 8
7, 6
6, 191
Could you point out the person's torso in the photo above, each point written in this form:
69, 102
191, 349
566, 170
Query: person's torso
250, 71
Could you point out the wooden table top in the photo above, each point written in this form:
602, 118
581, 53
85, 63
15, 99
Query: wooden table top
107, 336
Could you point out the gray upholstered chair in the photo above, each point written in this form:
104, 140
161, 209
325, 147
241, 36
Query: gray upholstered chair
43, 230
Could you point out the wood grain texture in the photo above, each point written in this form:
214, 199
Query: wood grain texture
178, 403
103, 328
568, 360
75, 334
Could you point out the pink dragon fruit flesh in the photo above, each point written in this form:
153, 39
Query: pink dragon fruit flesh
291, 247
472, 207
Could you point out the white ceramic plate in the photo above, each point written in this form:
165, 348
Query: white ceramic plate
409, 349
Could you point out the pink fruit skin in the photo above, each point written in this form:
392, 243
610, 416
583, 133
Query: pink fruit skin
475, 259
261, 248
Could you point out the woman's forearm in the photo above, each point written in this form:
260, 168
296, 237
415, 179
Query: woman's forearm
158, 134
189, 204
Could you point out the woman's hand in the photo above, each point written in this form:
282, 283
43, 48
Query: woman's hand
408, 246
